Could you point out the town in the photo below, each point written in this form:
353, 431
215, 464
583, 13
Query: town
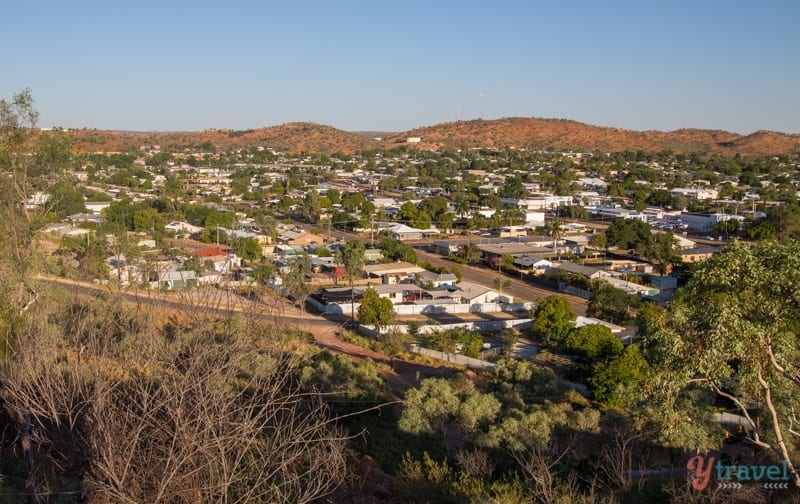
629, 226
477, 281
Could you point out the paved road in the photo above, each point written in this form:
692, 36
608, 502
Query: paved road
485, 276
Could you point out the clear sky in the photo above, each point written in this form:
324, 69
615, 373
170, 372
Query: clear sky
393, 66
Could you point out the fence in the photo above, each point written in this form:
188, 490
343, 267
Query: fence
487, 366
455, 358
476, 325
426, 308
562, 287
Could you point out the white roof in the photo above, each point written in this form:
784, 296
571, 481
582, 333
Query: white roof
584, 321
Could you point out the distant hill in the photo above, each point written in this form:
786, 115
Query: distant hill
530, 133
290, 137
564, 134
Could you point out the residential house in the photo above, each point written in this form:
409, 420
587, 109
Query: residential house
65, 229
299, 237
172, 280
435, 280
37, 200
403, 232
580, 269
493, 252
289, 250
182, 228
532, 262
96, 207
395, 272
697, 254
216, 259
372, 255
631, 287
398, 293
85, 218
512, 232
698, 194
472, 293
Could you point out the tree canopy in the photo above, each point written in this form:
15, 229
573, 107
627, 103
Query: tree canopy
553, 318
375, 310
628, 233
734, 332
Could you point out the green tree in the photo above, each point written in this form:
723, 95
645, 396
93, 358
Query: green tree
611, 304
594, 343
147, 219
628, 233
573, 212
375, 310
659, 198
554, 231
507, 262
727, 226
733, 332
610, 377
120, 213
470, 252
53, 153
509, 339
296, 280
438, 401
513, 188
599, 241
435, 207
501, 283
216, 219
66, 199
662, 250
429, 407
762, 229
334, 196
248, 248
553, 319
408, 212
310, 207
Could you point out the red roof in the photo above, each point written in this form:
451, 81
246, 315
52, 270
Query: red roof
210, 252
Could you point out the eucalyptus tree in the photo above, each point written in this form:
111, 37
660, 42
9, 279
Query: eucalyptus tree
733, 333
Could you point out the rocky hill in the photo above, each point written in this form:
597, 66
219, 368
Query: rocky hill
290, 137
530, 133
564, 134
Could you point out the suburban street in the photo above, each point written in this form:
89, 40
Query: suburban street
484, 276
519, 289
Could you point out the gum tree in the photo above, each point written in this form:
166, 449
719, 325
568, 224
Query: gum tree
733, 332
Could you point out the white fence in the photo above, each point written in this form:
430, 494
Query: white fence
427, 308
456, 358
475, 325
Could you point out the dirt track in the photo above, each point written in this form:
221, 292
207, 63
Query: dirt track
399, 374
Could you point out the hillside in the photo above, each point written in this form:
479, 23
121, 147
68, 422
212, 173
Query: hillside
564, 134
528, 133
290, 137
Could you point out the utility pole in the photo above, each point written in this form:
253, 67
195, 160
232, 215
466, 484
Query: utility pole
372, 231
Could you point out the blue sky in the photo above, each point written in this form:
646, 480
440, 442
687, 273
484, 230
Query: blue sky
393, 66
